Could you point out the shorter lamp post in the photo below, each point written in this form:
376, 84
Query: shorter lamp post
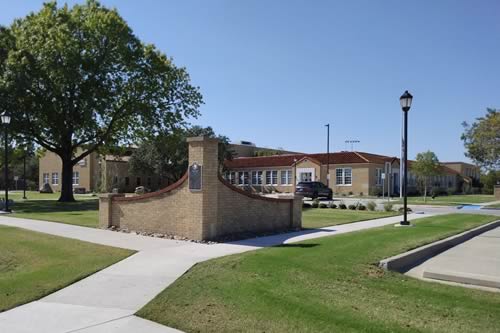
24, 174
405, 101
294, 174
6, 121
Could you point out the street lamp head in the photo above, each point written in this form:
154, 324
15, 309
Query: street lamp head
5, 118
405, 101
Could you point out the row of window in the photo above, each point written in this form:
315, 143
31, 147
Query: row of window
55, 178
257, 177
138, 181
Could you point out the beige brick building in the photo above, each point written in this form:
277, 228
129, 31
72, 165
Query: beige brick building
95, 173
357, 173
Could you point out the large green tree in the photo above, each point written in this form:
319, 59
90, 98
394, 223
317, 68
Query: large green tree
77, 77
166, 155
482, 140
425, 166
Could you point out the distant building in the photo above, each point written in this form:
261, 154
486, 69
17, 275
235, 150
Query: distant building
94, 173
357, 173
249, 149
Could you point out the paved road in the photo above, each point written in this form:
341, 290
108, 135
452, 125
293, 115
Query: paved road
106, 301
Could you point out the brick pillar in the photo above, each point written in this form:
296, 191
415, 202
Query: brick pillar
204, 152
105, 210
497, 192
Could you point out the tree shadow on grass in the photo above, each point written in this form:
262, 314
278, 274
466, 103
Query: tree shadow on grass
302, 246
48, 206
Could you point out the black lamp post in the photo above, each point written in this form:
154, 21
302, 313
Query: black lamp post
327, 155
405, 101
24, 173
6, 121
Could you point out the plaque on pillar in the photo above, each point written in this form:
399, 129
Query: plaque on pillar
195, 177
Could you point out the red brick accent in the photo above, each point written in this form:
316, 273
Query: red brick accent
250, 195
156, 193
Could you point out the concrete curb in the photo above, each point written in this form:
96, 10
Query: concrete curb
406, 261
465, 278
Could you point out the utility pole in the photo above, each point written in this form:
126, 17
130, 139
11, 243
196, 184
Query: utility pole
327, 155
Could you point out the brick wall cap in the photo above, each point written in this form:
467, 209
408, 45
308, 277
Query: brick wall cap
156, 193
201, 138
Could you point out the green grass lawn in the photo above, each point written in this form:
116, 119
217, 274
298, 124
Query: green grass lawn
330, 284
494, 206
33, 264
34, 195
324, 217
83, 212
451, 200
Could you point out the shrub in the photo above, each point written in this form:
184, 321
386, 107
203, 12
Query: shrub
408, 209
306, 205
361, 207
342, 206
332, 205
351, 193
352, 207
322, 205
388, 206
371, 205
361, 194
315, 203
343, 194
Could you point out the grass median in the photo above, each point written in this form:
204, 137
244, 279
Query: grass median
33, 264
329, 284
324, 217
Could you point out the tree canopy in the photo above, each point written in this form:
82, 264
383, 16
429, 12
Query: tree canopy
78, 77
426, 165
482, 140
166, 155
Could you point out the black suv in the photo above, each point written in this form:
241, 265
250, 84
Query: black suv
314, 190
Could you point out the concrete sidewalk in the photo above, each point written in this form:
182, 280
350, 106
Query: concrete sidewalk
107, 300
475, 262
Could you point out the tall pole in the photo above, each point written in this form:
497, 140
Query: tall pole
327, 155
24, 175
405, 168
6, 169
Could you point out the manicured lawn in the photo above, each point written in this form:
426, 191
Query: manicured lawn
82, 212
324, 217
330, 284
33, 195
494, 206
33, 264
452, 200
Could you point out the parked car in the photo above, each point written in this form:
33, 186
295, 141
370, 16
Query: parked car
314, 190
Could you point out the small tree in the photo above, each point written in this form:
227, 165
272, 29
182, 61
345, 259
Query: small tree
426, 165
482, 140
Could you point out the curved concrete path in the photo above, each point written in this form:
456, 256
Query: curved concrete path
106, 301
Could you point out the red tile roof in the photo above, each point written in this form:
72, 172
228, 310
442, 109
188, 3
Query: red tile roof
345, 157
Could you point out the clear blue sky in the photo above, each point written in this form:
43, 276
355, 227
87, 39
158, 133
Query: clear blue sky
274, 72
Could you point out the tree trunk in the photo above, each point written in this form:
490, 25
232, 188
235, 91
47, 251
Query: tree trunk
425, 192
67, 179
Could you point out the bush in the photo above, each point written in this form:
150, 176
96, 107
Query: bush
332, 205
351, 193
388, 206
342, 206
322, 205
371, 205
306, 205
408, 209
343, 194
361, 207
352, 207
361, 194
315, 203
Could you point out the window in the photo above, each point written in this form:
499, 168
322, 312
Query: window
343, 176
46, 177
243, 179
138, 181
55, 178
286, 177
232, 177
272, 177
256, 177
378, 176
127, 181
76, 178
